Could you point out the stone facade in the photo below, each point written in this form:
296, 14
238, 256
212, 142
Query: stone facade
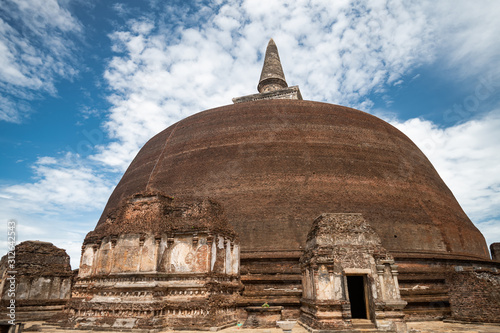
475, 295
42, 280
180, 271
348, 274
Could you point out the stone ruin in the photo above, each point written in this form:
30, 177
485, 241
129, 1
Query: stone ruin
42, 279
347, 274
155, 261
475, 294
158, 262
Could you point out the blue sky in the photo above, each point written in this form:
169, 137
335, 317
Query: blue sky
84, 84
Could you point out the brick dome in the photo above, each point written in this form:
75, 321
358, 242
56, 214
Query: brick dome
276, 165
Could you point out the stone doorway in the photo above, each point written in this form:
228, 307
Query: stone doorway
357, 296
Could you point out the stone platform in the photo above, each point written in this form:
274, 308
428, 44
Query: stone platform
413, 327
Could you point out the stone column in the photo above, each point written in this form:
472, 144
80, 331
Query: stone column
170, 243
142, 239
236, 258
95, 259
314, 279
338, 285
380, 273
395, 273
212, 253
229, 266
157, 252
111, 261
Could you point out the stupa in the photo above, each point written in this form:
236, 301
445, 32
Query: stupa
329, 215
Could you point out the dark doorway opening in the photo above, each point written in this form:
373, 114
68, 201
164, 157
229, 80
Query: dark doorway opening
356, 289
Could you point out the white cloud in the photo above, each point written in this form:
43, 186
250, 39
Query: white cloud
168, 65
61, 230
466, 157
35, 50
61, 205
490, 230
64, 184
468, 35
336, 53
11, 110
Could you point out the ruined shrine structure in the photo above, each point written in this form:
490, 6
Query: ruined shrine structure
158, 262
41, 283
329, 215
348, 273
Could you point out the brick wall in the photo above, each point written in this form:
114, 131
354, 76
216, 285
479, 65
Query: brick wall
475, 295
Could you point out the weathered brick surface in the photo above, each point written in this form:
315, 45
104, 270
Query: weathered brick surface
157, 262
36, 258
156, 212
275, 165
475, 296
275, 162
41, 284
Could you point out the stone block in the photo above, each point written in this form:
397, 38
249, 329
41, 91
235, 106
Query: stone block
262, 317
495, 251
475, 296
40, 288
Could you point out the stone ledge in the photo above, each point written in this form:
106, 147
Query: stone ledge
286, 93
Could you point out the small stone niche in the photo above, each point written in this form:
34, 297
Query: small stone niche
348, 277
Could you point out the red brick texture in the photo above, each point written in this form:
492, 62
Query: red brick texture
475, 296
275, 165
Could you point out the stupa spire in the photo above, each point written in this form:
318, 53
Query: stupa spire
272, 84
272, 77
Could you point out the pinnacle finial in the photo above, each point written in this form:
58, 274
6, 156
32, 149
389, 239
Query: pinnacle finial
272, 77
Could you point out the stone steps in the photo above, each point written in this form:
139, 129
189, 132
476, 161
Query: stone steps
263, 293
271, 300
271, 279
363, 324
430, 291
426, 298
425, 290
270, 266
255, 278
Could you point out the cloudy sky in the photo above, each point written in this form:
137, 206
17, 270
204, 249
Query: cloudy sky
85, 83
